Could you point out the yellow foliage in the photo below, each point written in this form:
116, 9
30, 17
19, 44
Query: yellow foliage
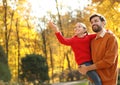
31, 42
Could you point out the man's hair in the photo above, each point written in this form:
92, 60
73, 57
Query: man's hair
98, 15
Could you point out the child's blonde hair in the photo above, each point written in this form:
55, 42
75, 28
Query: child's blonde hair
84, 26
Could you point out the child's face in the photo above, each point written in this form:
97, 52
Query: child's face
79, 30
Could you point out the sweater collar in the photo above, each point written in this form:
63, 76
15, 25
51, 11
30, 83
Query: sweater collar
101, 35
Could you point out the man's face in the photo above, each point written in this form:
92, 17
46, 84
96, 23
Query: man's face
97, 24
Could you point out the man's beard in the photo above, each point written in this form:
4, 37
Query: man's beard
96, 28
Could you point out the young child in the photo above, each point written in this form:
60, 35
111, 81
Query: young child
80, 44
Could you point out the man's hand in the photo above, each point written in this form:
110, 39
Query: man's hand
109, 31
83, 69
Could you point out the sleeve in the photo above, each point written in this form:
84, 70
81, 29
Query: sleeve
111, 54
63, 40
92, 36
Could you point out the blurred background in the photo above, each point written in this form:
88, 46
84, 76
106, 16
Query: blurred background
30, 54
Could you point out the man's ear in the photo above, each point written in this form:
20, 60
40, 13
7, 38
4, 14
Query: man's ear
104, 23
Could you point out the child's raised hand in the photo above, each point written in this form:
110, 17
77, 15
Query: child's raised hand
53, 26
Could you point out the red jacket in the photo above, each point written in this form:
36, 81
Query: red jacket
80, 46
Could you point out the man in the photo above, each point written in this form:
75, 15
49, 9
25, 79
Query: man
104, 51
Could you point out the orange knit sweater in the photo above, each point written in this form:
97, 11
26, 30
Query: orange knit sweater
105, 57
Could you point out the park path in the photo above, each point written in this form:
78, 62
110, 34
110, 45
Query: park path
70, 83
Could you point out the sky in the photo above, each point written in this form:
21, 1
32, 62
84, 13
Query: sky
41, 7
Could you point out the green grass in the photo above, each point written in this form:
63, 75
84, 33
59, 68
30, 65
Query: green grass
86, 83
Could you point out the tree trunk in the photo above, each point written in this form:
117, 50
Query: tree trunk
18, 41
5, 24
